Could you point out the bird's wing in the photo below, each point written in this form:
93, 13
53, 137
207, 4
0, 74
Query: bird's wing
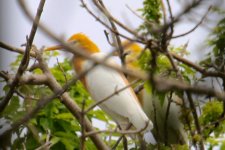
103, 81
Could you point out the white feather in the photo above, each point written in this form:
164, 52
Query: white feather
175, 128
103, 81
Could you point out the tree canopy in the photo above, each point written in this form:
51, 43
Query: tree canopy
47, 107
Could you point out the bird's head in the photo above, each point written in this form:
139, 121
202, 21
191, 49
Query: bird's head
132, 52
78, 40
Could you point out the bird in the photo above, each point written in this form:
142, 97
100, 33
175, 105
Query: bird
124, 107
152, 106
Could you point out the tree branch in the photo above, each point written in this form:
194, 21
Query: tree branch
198, 68
14, 49
118, 40
195, 27
65, 99
195, 116
108, 97
25, 60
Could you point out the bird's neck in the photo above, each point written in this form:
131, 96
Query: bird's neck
77, 63
87, 46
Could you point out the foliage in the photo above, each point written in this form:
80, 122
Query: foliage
211, 112
151, 12
215, 58
163, 64
54, 121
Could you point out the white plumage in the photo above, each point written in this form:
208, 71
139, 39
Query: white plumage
102, 81
122, 107
174, 127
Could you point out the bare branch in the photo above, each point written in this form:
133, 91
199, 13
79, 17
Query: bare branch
171, 18
4, 75
116, 130
195, 116
111, 95
195, 27
107, 13
169, 84
186, 10
32, 79
14, 49
198, 68
60, 67
164, 11
25, 60
79, 52
118, 40
106, 25
65, 99
82, 123
167, 116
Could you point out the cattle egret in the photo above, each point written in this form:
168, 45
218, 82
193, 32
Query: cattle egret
102, 81
153, 107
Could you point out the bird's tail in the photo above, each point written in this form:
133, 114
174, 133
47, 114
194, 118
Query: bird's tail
141, 122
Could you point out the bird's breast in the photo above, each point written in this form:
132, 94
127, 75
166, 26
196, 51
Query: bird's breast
103, 81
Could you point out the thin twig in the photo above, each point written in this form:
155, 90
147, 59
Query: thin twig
83, 137
164, 11
195, 116
24, 97
126, 28
186, 10
106, 25
79, 52
195, 27
167, 116
117, 91
118, 40
32, 79
125, 147
171, 18
4, 75
197, 67
107, 38
58, 93
169, 84
14, 49
60, 67
116, 130
121, 137
25, 60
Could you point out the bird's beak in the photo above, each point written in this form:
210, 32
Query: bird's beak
59, 47
52, 48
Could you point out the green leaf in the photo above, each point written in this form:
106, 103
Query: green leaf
54, 140
222, 147
64, 116
151, 10
14, 111
69, 144
99, 114
45, 123
14, 65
